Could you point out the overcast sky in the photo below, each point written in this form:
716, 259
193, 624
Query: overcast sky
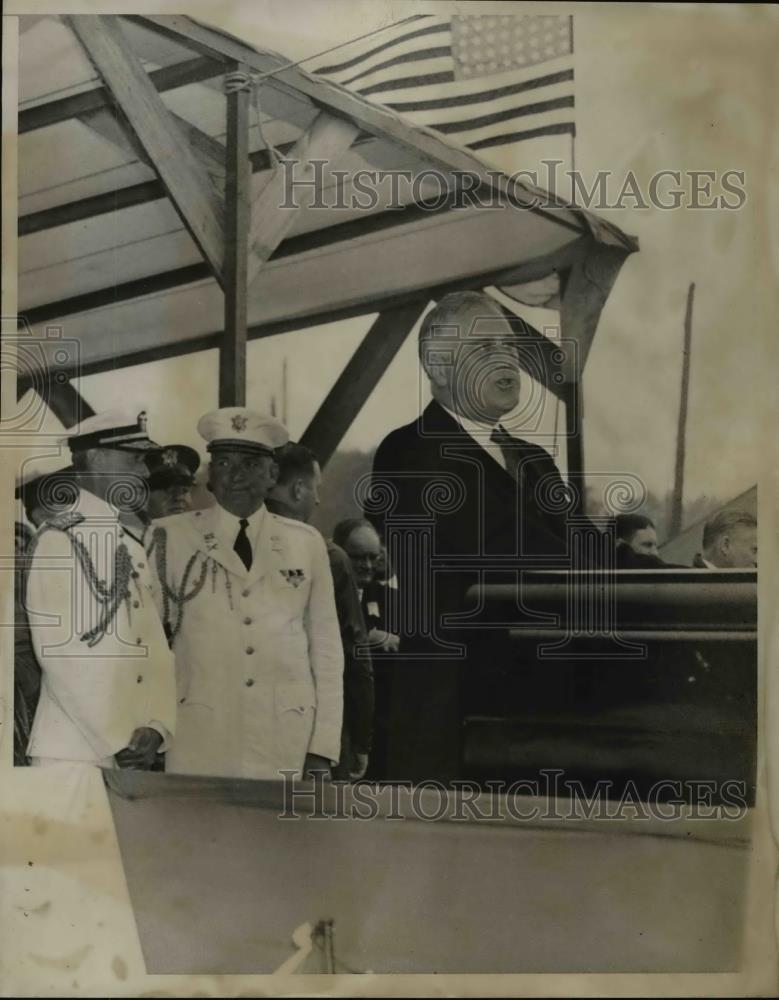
657, 87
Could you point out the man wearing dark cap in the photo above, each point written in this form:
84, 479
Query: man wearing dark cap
171, 477
247, 598
108, 686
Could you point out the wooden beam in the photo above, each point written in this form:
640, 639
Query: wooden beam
232, 353
305, 242
359, 378
185, 179
327, 139
122, 292
112, 125
574, 443
168, 78
66, 402
213, 340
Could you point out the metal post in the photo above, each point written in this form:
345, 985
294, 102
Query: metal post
232, 352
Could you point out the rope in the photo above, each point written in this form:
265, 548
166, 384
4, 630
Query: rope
242, 80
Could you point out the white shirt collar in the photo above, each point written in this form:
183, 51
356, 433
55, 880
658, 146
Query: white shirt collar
229, 525
481, 434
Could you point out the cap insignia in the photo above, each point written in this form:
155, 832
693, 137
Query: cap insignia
239, 423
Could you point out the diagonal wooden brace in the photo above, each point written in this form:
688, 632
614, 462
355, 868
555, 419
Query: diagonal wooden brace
327, 139
182, 173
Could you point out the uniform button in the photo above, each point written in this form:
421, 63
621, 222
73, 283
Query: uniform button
245, 593
139, 678
138, 641
250, 650
140, 565
250, 683
182, 700
247, 621
135, 575
136, 604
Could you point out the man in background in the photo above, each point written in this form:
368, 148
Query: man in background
171, 477
296, 496
729, 541
359, 540
637, 543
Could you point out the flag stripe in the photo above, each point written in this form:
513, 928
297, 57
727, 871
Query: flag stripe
483, 95
364, 56
494, 81
407, 82
483, 81
561, 128
461, 113
557, 117
501, 116
415, 46
407, 57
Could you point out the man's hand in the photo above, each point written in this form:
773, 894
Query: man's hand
141, 750
359, 766
386, 642
316, 767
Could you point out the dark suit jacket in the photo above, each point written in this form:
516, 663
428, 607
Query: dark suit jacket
481, 519
358, 672
433, 468
627, 558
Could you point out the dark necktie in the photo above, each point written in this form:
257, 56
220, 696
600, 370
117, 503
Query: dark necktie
242, 546
509, 448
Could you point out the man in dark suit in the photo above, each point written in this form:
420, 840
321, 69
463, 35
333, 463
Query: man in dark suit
637, 544
483, 503
296, 495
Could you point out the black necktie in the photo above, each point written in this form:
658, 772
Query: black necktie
509, 449
243, 547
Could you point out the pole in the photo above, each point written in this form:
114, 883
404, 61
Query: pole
675, 525
232, 352
284, 413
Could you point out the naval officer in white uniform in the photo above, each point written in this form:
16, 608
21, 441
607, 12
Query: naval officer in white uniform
108, 695
247, 597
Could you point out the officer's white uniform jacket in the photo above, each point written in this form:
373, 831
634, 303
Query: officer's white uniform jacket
106, 666
259, 661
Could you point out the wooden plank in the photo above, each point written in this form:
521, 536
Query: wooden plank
327, 139
295, 245
168, 78
232, 353
359, 378
186, 181
134, 194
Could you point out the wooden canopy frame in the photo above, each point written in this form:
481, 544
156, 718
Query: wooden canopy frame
210, 185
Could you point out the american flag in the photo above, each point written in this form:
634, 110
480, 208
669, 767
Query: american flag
482, 81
